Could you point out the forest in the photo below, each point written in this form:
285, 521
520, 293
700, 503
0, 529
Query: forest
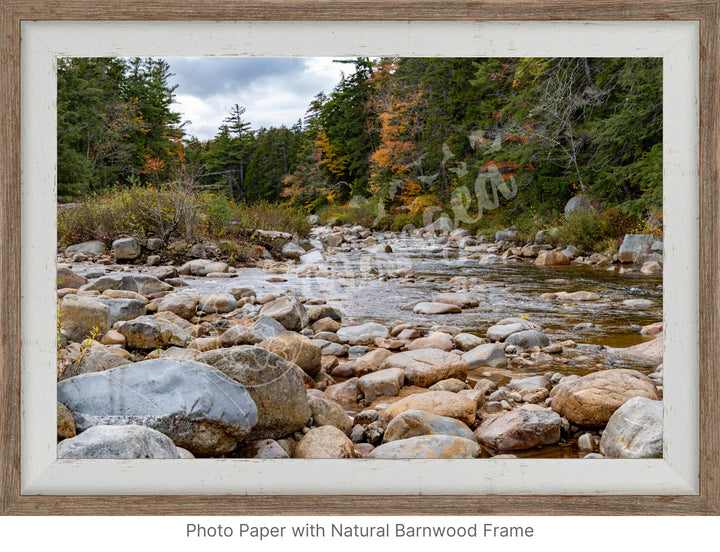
394, 138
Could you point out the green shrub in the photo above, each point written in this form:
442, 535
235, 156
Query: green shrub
593, 231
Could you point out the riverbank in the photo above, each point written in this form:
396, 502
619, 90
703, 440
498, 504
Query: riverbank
374, 344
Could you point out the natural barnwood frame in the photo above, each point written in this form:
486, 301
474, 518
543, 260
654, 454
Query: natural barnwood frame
13, 12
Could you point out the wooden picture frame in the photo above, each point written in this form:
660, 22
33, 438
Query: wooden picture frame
13, 12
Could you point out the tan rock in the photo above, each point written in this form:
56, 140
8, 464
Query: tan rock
296, 348
325, 442
427, 366
370, 362
591, 400
552, 258
435, 340
442, 403
65, 422
205, 344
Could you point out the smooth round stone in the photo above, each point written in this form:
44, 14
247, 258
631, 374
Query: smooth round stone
428, 446
362, 334
519, 429
413, 423
436, 308
425, 367
325, 442
442, 403
591, 400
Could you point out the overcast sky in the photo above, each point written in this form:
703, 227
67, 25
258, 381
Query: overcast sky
274, 91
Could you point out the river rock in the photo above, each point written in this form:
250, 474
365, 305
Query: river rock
370, 362
319, 312
346, 393
528, 338
428, 446
529, 384
80, 317
434, 340
183, 304
435, 308
592, 399
122, 309
65, 423
462, 300
552, 258
383, 383
649, 353
325, 442
651, 267
326, 324
635, 246
92, 247
574, 296
313, 257
413, 423
635, 430
452, 384
424, 367
238, 335
144, 284
124, 294
519, 429
93, 361
217, 303
200, 266
142, 333
274, 385
505, 328
292, 251
289, 311
442, 403
196, 405
66, 278
489, 354
363, 334
126, 249
264, 449
328, 412
467, 341
296, 348
265, 328
112, 441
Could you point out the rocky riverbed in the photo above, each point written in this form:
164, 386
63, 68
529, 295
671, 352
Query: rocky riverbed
361, 344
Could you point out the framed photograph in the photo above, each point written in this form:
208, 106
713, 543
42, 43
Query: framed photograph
673, 44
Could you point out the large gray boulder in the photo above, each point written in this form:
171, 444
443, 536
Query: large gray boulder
635, 246
635, 430
197, 406
274, 385
108, 441
289, 311
383, 383
126, 249
292, 251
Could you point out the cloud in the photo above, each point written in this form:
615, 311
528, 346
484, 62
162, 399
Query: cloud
274, 91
